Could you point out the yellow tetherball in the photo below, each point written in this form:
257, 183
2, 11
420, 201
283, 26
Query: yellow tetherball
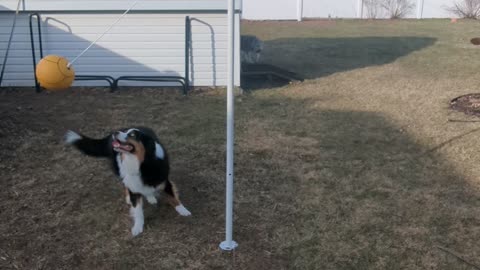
53, 73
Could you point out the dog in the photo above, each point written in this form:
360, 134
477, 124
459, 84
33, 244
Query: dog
141, 162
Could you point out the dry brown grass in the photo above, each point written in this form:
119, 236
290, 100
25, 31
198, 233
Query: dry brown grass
359, 167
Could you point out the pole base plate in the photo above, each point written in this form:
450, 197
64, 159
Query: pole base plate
228, 245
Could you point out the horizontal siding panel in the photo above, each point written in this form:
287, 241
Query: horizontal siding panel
123, 68
198, 75
99, 22
115, 30
65, 37
147, 60
109, 18
103, 53
123, 61
85, 20
185, 5
196, 45
99, 52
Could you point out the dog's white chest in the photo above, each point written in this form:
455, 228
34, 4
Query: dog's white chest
128, 166
129, 169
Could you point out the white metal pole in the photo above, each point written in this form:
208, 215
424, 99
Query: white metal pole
229, 244
420, 4
359, 9
299, 10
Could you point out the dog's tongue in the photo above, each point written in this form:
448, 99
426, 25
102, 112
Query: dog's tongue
116, 144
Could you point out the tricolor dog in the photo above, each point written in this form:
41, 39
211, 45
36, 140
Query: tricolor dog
141, 162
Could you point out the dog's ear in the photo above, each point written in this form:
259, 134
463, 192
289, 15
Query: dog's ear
149, 144
159, 151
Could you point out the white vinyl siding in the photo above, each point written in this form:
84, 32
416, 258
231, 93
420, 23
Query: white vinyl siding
141, 44
117, 5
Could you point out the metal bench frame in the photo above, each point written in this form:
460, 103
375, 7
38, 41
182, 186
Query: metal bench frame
183, 81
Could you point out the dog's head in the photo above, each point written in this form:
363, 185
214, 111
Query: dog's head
133, 141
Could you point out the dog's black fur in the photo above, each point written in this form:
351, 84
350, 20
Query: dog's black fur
154, 171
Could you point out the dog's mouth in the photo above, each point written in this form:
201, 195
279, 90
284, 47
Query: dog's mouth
122, 146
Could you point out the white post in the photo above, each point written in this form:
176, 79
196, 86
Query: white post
420, 4
229, 244
359, 9
299, 10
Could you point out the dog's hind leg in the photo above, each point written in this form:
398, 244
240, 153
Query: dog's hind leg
173, 199
127, 196
136, 211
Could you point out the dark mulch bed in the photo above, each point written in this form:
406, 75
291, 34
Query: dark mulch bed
468, 104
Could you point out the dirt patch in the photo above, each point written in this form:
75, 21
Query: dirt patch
475, 41
468, 104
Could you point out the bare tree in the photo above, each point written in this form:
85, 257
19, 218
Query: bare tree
397, 9
469, 9
372, 8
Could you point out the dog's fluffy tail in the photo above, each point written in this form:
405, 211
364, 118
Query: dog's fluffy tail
89, 146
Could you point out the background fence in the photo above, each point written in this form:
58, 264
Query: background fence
294, 9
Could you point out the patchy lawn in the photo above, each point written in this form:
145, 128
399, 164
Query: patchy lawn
362, 166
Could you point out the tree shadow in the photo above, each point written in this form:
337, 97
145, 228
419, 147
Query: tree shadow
314, 188
313, 58
348, 190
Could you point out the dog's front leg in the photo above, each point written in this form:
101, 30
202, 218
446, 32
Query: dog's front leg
136, 211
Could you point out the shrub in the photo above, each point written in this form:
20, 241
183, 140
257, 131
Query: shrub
372, 8
397, 9
469, 9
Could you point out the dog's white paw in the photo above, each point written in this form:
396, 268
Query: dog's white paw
136, 230
182, 210
152, 200
71, 137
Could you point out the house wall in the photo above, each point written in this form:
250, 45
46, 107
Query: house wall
120, 5
151, 42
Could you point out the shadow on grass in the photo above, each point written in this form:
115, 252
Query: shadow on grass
348, 190
315, 189
314, 58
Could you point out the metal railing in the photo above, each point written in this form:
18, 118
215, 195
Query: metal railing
184, 81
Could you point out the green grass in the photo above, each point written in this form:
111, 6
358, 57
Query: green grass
372, 189
358, 167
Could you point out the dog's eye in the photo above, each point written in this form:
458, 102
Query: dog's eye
131, 134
